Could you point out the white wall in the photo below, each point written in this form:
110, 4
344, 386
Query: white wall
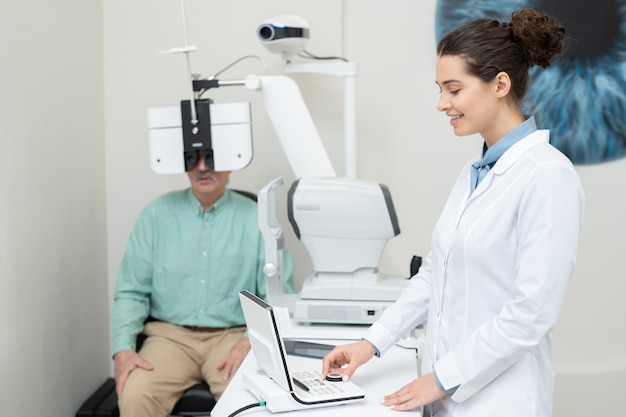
53, 280
403, 143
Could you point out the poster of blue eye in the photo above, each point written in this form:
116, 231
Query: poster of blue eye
581, 96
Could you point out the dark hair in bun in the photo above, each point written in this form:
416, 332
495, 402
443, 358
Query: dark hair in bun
489, 46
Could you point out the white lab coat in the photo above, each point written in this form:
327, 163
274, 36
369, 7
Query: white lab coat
492, 285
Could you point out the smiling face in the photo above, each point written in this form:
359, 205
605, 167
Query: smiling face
473, 105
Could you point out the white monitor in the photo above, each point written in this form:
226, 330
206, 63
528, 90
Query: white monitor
273, 382
267, 345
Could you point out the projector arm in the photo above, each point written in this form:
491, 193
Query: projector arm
290, 118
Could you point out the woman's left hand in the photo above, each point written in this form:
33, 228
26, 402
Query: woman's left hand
422, 391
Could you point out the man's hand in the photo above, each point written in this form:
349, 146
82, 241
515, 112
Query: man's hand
346, 358
231, 362
127, 361
423, 390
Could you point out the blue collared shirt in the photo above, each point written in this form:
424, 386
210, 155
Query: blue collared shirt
491, 155
186, 266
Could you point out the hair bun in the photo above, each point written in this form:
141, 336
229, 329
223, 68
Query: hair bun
540, 36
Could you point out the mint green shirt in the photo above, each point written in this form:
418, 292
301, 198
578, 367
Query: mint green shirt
187, 267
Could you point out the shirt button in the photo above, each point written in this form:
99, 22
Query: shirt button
201, 311
202, 282
206, 224
204, 253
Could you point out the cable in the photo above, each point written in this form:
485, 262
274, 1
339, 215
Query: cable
247, 407
307, 54
214, 76
239, 60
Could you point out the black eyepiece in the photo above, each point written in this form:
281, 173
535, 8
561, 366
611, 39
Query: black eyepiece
266, 32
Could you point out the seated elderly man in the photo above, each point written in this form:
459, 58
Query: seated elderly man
188, 256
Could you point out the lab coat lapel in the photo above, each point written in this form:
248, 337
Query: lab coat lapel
509, 158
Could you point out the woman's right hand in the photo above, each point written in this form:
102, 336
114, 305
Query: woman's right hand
345, 359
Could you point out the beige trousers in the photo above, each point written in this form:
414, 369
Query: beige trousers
181, 358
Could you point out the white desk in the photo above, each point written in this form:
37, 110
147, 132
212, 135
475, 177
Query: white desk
378, 377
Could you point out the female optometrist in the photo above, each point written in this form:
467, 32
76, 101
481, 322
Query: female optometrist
504, 247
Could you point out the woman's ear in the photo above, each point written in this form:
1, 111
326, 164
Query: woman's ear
502, 84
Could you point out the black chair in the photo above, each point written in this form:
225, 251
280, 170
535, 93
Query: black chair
252, 196
196, 401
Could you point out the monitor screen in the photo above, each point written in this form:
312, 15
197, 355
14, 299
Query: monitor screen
264, 335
